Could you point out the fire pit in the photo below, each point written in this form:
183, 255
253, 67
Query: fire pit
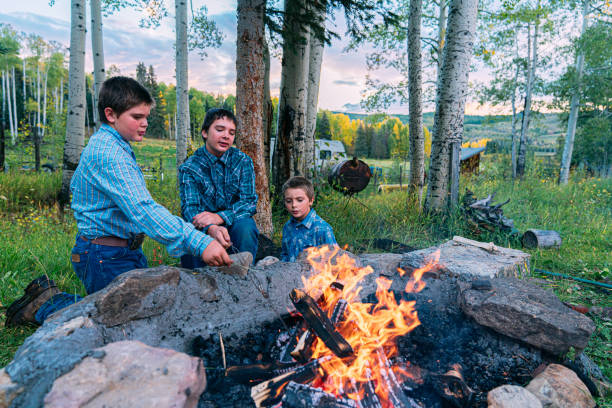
339, 350
323, 332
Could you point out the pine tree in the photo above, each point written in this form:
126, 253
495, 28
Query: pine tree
158, 113
361, 142
323, 130
141, 73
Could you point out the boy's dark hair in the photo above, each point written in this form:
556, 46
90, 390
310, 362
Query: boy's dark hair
120, 94
300, 182
217, 113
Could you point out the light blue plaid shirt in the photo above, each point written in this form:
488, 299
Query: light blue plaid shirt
299, 235
110, 198
224, 185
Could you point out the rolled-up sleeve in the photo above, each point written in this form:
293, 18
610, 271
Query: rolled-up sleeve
123, 182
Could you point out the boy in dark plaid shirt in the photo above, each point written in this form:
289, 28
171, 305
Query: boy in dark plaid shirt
217, 186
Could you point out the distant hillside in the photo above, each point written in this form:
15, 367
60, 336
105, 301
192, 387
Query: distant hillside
544, 129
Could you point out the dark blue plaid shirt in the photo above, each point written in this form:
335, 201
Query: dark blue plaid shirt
224, 185
299, 235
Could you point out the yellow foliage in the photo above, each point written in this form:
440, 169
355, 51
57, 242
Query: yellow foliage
476, 143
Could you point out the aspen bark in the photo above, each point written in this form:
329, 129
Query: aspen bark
451, 95
289, 149
182, 82
522, 151
3, 124
75, 131
250, 77
268, 113
10, 106
568, 147
315, 55
97, 49
15, 117
442, 17
514, 117
415, 101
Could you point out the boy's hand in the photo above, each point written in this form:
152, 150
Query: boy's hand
215, 255
221, 235
207, 218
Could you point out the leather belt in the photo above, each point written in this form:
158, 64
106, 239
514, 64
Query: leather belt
108, 241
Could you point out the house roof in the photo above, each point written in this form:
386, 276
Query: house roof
467, 152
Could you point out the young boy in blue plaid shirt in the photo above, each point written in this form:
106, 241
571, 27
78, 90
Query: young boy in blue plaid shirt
217, 186
305, 228
113, 209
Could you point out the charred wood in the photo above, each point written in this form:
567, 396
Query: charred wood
255, 373
320, 324
452, 387
305, 396
338, 314
484, 214
271, 391
369, 399
398, 398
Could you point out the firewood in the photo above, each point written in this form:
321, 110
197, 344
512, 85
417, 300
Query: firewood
271, 392
452, 387
305, 396
338, 314
255, 373
487, 246
534, 238
369, 399
303, 349
396, 395
320, 324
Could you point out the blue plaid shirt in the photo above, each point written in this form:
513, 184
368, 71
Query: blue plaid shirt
299, 235
110, 198
224, 185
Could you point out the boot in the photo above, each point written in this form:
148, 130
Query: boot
23, 310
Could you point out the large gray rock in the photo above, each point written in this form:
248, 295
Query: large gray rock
512, 396
383, 264
461, 259
8, 389
130, 374
529, 313
559, 387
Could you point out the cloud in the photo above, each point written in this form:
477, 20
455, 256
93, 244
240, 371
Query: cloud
345, 82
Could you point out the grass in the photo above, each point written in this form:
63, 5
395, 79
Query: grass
36, 241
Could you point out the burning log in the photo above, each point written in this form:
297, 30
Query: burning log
305, 396
396, 395
369, 399
320, 324
255, 373
303, 350
270, 392
452, 387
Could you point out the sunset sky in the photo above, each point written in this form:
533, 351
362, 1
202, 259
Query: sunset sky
125, 44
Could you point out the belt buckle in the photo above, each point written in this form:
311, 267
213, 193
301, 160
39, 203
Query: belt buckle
136, 241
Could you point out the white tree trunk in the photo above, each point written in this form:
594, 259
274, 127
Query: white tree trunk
574, 105
514, 114
61, 97
44, 111
182, 82
97, 49
10, 108
15, 118
75, 121
24, 83
522, 151
250, 77
415, 100
37, 94
315, 56
451, 95
291, 130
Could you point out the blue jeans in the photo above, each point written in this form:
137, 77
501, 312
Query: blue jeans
244, 235
96, 266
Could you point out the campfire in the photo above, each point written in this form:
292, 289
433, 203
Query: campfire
342, 353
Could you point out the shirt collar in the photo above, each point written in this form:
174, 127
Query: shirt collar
205, 154
307, 221
122, 142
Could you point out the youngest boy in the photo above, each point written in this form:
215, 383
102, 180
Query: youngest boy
305, 228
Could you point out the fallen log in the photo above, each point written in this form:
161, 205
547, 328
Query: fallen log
255, 373
534, 238
320, 324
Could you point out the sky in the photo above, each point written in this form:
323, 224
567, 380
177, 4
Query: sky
343, 74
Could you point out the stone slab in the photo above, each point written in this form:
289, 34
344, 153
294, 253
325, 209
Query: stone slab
528, 313
461, 259
559, 387
512, 396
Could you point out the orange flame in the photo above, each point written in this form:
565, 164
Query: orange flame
371, 330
